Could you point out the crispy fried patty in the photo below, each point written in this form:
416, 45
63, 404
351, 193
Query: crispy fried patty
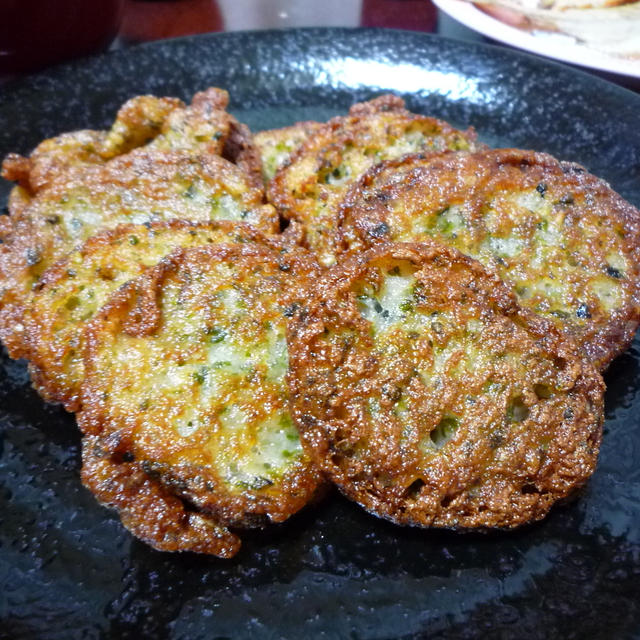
311, 185
431, 398
139, 187
157, 123
142, 118
567, 245
147, 508
52, 158
277, 145
164, 124
185, 374
138, 121
71, 292
206, 127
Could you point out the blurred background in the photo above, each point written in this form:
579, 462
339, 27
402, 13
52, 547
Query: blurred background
38, 33
35, 34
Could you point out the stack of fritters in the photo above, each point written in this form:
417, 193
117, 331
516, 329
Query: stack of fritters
204, 348
379, 301
310, 187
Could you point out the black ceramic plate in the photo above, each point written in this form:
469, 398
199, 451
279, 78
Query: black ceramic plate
67, 567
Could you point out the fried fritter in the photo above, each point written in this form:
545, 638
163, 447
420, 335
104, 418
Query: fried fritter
310, 187
185, 374
159, 123
71, 292
206, 127
277, 145
138, 121
147, 508
52, 158
139, 187
143, 118
567, 245
431, 398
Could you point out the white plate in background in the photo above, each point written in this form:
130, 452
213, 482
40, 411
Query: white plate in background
552, 45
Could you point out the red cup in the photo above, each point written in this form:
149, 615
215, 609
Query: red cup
38, 33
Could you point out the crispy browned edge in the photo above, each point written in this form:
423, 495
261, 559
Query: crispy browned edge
147, 509
339, 128
240, 149
140, 296
305, 326
600, 347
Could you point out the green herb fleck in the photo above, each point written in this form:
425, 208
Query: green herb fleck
217, 334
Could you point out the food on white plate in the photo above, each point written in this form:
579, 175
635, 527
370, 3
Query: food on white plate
610, 27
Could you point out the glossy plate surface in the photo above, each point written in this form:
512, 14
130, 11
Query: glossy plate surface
67, 567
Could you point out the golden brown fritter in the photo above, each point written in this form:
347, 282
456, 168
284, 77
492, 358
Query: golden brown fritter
157, 123
431, 398
310, 187
141, 119
561, 238
206, 127
52, 158
139, 187
138, 121
70, 293
185, 372
277, 145
147, 508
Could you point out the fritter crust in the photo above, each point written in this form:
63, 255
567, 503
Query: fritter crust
241, 150
431, 398
567, 245
52, 158
277, 145
139, 187
206, 127
70, 293
147, 509
311, 185
138, 121
185, 371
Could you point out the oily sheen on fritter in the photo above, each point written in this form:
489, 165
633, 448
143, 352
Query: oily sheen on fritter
431, 398
147, 508
185, 375
140, 187
309, 187
146, 281
179, 174
139, 120
276, 145
70, 293
567, 245
160, 123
